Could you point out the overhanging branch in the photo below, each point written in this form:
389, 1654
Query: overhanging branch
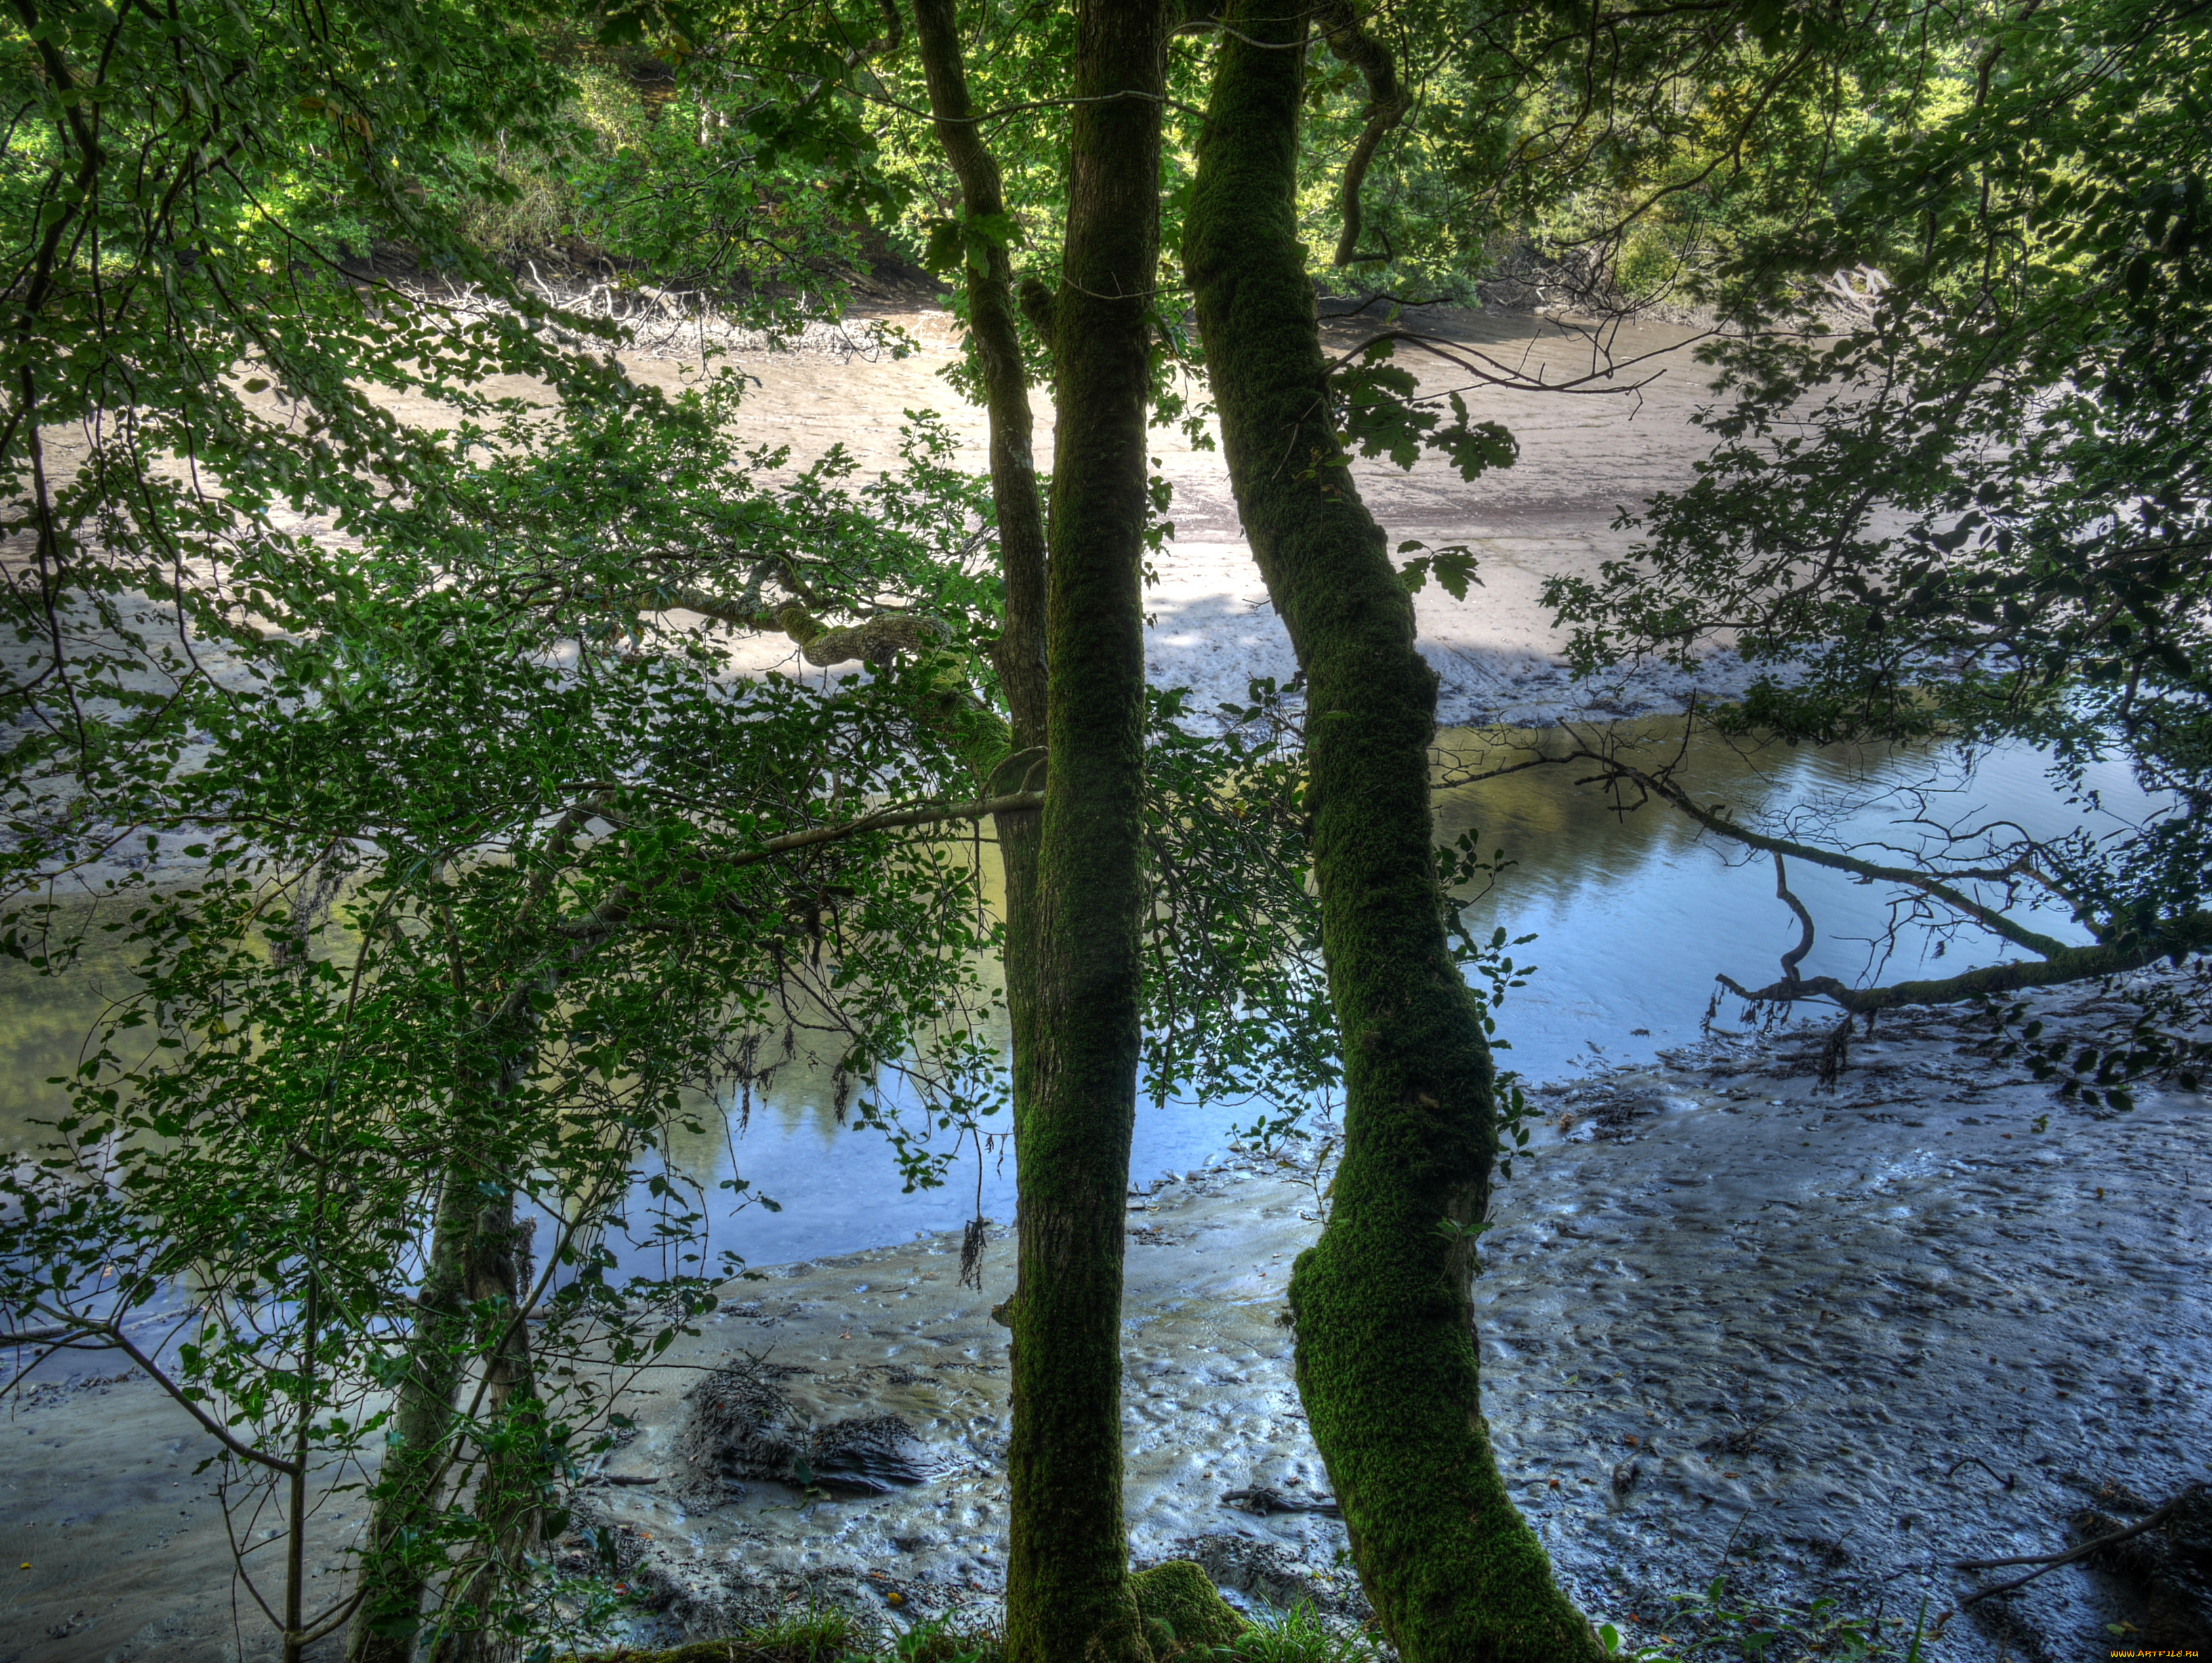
874, 640
1988, 917
603, 919
2191, 934
922, 814
2057, 963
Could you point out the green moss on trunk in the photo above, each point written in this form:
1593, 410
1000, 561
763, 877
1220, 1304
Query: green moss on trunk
1184, 1613
1067, 1595
1386, 1356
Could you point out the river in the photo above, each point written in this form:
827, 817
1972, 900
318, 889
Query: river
1633, 912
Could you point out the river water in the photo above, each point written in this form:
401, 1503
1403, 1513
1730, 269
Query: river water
1632, 913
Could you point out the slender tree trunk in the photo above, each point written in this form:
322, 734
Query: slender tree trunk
1067, 1594
1387, 1362
395, 1570
1019, 651
474, 1265
295, 1505
515, 1474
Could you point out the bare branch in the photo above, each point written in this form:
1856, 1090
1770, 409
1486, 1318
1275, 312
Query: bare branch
110, 1335
1796, 955
1488, 371
1988, 917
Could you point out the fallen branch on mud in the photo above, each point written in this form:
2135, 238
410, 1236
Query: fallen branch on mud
2046, 1563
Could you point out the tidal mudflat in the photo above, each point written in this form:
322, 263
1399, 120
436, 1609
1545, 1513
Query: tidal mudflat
1827, 1342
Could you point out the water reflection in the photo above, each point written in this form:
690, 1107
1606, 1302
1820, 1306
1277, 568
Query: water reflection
1634, 914
1635, 910
46, 1024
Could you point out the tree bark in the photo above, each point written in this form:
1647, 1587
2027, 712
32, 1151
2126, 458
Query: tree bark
1067, 1594
516, 1471
1387, 1363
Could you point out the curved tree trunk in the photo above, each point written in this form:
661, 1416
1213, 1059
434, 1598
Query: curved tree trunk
1386, 1354
1067, 1594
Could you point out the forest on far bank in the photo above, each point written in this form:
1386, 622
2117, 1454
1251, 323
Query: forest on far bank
496, 871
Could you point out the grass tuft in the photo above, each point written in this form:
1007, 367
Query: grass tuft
1299, 1636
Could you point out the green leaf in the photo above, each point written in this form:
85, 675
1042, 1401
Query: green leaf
944, 250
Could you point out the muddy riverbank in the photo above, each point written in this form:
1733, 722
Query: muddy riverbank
1827, 1342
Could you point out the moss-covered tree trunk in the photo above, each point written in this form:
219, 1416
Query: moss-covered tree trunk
1387, 1362
1067, 1594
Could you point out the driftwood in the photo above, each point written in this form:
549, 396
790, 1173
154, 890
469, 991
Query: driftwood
1264, 1501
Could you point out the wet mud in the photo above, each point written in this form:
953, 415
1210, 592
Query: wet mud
1825, 1344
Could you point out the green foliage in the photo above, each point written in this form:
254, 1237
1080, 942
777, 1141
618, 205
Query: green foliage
2163, 1041
1964, 496
481, 902
1381, 415
186, 306
506, 951
1453, 569
820, 1636
826, 1635
1236, 1002
701, 196
486, 905
1299, 1636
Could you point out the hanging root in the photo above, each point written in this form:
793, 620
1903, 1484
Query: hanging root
1836, 1054
971, 1254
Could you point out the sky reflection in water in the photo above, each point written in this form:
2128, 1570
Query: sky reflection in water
1633, 915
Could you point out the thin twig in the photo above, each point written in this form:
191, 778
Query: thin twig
2009, 1481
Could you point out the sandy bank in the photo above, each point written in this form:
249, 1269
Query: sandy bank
1586, 456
